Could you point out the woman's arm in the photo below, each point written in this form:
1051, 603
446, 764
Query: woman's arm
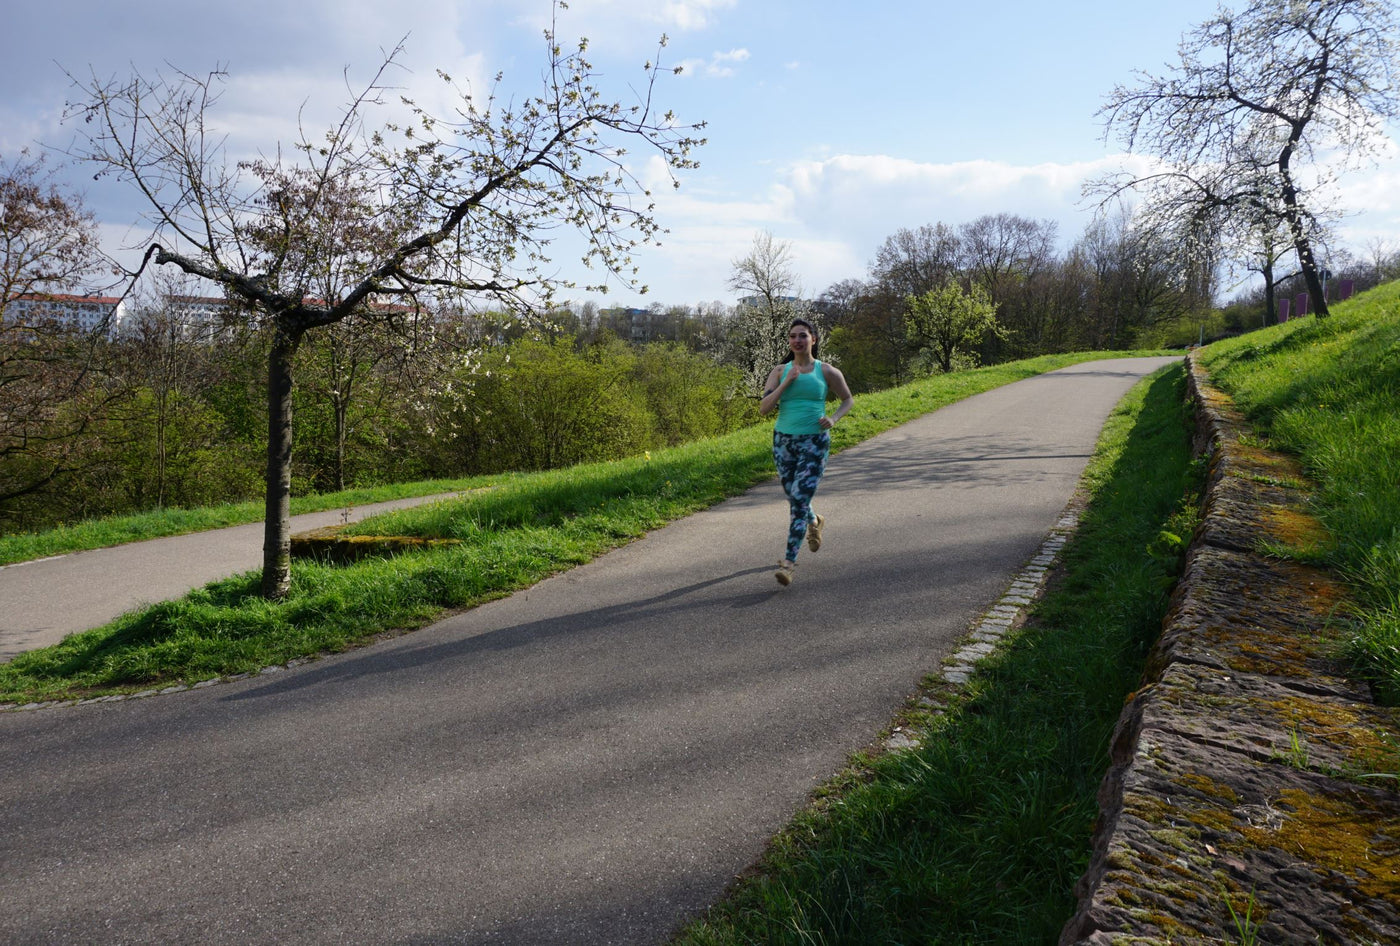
836, 384
773, 389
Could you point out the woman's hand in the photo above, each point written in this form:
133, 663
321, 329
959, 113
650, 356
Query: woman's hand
836, 383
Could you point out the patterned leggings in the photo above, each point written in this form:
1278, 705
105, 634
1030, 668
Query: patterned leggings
801, 459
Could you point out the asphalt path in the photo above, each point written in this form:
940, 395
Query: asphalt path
589, 761
43, 601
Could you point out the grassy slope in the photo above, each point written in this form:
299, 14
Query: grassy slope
1329, 392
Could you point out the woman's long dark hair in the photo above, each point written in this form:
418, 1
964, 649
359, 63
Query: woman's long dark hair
816, 339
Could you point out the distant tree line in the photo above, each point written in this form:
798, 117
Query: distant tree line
169, 417
1120, 285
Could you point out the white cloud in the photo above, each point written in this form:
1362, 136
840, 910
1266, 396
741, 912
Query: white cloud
718, 66
1371, 196
298, 54
618, 24
689, 14
836, 211
860, 200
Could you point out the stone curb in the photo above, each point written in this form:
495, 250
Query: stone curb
1248, 799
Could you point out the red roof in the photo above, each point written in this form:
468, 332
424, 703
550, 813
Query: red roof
60, 297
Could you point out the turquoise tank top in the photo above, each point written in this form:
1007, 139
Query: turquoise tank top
803, 404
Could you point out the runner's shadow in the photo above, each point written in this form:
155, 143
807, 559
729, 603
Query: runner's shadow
757, 598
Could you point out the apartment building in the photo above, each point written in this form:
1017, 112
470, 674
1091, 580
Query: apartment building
85, 313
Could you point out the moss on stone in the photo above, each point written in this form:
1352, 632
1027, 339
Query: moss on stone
1272, 654
1348, 835
1192, 842
1208, 786
1294, 528
1340, 724
1266, 462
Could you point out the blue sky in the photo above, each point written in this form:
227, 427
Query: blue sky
830, 125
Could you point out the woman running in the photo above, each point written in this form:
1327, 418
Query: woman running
799, 388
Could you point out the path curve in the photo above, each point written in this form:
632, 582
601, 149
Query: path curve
43, 601
589, 761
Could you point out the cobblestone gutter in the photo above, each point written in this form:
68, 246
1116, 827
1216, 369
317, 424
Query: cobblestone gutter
1245, 803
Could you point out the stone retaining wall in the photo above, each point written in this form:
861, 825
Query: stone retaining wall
1249, 799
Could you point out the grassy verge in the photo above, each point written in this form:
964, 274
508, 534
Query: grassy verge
979, 835
116, 530
530, 526
1329, 392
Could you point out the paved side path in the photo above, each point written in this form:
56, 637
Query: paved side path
42, 602
586, 762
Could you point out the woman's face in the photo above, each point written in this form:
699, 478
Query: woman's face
799, 339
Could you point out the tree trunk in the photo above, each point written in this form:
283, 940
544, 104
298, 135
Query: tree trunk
1294, 215
1270, 294
1306, 262
342, 423
162, 406
277, 526
1316, 293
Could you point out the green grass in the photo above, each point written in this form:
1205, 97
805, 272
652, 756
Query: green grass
979, 834
525, 529
1329, 392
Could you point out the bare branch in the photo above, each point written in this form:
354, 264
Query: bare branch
1257, 93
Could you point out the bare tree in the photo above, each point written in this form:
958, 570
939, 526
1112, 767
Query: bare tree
1382, 260
415, 212
768, 304
840, 301
999, 250
765, 276
1257, 97
1005, 254
1135, 278
48, 371
912, 262
48, 240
